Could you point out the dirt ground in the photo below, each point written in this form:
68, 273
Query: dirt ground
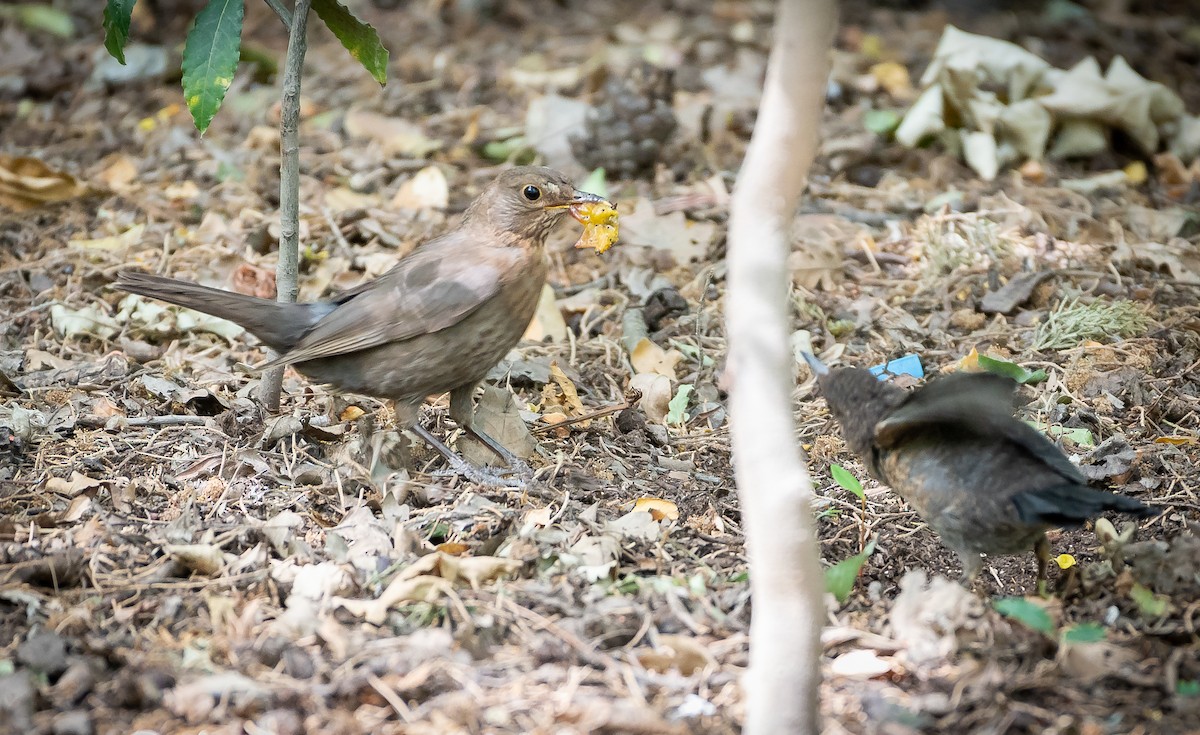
174, 559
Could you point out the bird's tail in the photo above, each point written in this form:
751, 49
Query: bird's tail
279, 325
1072, 505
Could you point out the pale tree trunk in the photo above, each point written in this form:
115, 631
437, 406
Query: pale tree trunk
787, 585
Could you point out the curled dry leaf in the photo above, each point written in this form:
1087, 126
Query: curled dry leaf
683, 653
427, 189
560, 398
658, 508
547, 320
71, 486
206, 559
112, 243
27, 183
427, 580
648, 357
656, 395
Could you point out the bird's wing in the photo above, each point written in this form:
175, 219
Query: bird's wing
431, 289
979, 404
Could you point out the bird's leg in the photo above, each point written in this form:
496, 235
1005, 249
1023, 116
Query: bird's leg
460, 466
462, 410
1042, 551
972, 564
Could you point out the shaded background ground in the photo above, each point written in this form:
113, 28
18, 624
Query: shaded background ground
183, 574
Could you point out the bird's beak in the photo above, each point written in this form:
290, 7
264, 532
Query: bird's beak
580, 198
819, 368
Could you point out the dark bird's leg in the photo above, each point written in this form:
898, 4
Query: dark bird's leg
1042, 551
408, 417
462, 410
972, 564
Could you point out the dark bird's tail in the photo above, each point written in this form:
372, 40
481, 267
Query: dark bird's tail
279, 325
1072, 505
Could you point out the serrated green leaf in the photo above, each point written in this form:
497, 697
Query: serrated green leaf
1011, 370
1028, 613
116, 27
359, 38
678, 406
1084, 633
842, 476
210, 58
1150, 604
839, 578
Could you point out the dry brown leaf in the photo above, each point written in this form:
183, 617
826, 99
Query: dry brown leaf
254, 281
26, 183
113, 243
427, 189
687, 655
648, 357
397, 137
206, 559
658, 508
75, 509
656, 395
73, 485
547, 320
120, 170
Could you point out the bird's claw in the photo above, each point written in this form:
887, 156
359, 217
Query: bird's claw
479, 475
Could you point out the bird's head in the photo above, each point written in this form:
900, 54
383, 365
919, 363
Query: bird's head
527, 202
857, 399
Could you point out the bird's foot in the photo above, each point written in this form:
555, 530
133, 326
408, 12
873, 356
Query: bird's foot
519, 469
460, 467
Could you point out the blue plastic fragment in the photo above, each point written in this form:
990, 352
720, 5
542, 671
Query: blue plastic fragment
907, 365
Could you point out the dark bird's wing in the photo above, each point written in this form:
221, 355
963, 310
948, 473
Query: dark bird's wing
978, 404
433, 288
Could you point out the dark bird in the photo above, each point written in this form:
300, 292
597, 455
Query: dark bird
986, 482
437, 322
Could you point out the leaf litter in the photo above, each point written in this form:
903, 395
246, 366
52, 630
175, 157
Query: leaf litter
171, 558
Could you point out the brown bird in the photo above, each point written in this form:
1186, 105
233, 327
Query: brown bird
437, 322
986, 482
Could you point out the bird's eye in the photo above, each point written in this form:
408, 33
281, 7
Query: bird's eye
532, 193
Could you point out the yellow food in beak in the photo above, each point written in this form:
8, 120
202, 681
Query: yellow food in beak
599, 219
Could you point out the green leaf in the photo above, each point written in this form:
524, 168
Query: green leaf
210, 58
596, 183
1150, 604
842, 476
1028, 613
881, 122
839, 578
1011, 370
359, 38
678, 404
116, 27
1084, 633
1081, 437
1187, 688
514, 148
41, 18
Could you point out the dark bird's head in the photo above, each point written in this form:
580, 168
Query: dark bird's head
857, 399
526, 202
